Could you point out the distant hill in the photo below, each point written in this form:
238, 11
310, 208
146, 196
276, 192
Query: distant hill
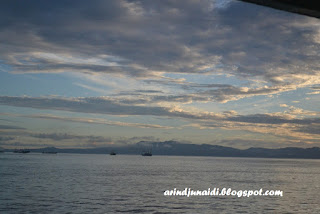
183, 149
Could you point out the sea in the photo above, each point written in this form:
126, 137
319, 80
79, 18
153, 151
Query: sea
96, 183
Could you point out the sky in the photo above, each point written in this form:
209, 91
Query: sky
84, 74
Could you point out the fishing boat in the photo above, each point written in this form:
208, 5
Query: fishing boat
113, 153
146, 153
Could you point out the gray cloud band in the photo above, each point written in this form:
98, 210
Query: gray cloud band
103, 105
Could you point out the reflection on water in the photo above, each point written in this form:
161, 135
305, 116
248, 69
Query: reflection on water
62, 183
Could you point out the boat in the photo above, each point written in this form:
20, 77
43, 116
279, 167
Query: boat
21, 151
146, 153
113, 153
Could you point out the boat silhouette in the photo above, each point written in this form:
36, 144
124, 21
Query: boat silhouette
146, 153
21, 151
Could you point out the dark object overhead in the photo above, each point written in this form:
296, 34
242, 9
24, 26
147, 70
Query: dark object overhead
304, 7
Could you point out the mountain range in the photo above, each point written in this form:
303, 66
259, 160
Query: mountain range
184, 149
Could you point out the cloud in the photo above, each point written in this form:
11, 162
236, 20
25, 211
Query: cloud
66, 140
105, 105
100, 105
57, 137
95, 121
201, 93
272, 119
288, 124
262, 143
151, 40
20, 144
6, 138
65, 136
10, 127
314, 92
301, 112
295, 125
156, 57
314, 129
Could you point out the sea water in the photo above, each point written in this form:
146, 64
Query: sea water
81, 183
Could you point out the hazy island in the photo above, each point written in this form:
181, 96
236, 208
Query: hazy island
184, 149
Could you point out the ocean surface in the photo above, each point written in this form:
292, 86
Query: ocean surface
78, 183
